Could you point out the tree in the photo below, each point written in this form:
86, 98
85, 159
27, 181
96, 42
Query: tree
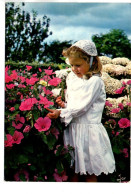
113, 44
53, 51
24, 34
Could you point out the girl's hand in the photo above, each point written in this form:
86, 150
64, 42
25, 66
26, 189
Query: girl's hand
54, 114
60, 102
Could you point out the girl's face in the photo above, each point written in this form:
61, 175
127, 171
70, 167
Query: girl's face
79, 66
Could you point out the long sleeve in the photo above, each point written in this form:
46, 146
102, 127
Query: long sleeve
87, 95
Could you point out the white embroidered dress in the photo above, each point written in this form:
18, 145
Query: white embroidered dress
85, 132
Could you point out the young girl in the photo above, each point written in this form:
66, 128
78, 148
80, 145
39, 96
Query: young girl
82, 114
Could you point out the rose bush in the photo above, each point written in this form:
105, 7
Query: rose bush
34, 149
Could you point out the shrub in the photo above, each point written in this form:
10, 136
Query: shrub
116, 115
34, 149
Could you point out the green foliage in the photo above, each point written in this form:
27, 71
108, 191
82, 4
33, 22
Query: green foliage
41, 154
120, 140
24, 34
113, 44
34, 157
53, 51
36, 65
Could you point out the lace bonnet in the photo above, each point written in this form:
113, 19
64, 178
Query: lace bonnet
88, 47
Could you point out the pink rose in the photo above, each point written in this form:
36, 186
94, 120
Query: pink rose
21, 172
128, 104
108, 103
31, 81
128, 82
113, 132
117, 133
55, 132
22, 79
19, 121
60, 177
21, 86
55, 81
9, 141
46, 78
42, 124
12, 109
45, 101
124, 83
14, 75
10, 86
115, 110
49, 72
120, 90
125, 151
28, 104
35, 178
7, 68
40, 70
17, 137
34, 75
7, 78
47, 92
121, 106
28, 67
27, 129
124, 123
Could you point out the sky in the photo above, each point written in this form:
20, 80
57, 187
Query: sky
76, 20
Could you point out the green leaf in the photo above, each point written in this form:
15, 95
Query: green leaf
40, 178
59, 150
59, 166
121, 164
44, 137
22, 177
32, 167
5, 138
28, 148
13, 115
11, 130
16, 106
116, 150
28, 114
36, 114
51, 140
32, 123
22, 159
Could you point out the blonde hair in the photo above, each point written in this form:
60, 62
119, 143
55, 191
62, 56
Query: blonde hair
79, 53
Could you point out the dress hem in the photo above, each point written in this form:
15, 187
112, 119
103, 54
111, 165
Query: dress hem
97, 174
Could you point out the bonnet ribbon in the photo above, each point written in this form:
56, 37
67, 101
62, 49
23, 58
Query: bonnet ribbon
91, 61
